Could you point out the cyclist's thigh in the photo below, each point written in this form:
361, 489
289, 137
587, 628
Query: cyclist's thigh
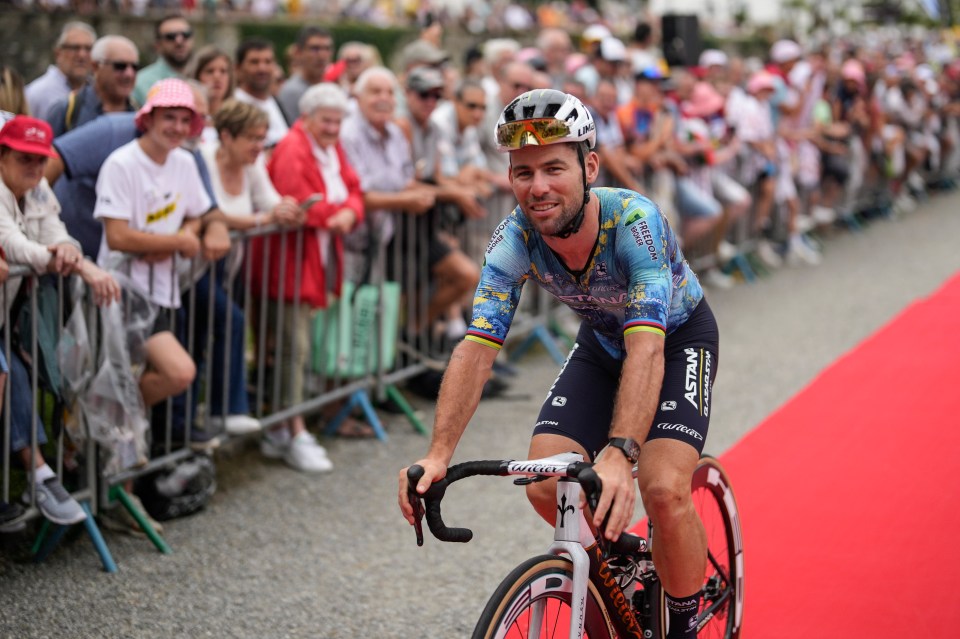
690, 366
579, 406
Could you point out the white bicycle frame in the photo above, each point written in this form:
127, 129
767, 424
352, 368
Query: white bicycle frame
571, 536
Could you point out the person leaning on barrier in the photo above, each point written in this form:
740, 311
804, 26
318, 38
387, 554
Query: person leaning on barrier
150, 198
309, 161
248, 200
32, 234
621, 397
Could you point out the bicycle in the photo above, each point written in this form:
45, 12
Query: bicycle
597, 589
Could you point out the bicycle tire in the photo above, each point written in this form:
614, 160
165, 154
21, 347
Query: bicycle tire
546, 579
723, 582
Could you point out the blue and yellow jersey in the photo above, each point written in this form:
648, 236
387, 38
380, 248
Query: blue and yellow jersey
636, 279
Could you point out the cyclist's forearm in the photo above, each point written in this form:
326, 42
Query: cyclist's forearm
468, 370
640, 382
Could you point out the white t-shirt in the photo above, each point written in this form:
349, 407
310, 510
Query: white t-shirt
153, 198
278, 124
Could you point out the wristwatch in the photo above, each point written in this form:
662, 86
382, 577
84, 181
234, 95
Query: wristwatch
629, 447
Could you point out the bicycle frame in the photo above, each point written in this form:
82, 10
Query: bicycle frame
574, 538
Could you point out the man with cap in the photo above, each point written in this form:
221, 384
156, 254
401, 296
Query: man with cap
32, 234
454, 273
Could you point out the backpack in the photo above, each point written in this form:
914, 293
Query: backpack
180, 489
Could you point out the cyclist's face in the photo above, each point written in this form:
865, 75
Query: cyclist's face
548, 184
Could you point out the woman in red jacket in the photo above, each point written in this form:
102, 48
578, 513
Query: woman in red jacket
308, 162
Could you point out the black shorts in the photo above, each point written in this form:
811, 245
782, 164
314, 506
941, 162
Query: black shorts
580, 402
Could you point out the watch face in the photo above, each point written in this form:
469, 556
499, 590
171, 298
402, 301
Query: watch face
629, 447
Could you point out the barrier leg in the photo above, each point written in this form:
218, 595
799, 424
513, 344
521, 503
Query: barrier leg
96, 538
394, 393
544, 336
44, 529
50, 535
359, 399
119, 494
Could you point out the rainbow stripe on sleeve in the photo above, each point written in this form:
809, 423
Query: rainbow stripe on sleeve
486, 339
635, 326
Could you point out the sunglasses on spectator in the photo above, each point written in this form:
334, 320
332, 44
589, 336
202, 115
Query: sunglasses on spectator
172, 36
430, 95
475, 106
77, 47
120, 66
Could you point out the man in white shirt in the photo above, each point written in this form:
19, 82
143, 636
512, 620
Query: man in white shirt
255, 65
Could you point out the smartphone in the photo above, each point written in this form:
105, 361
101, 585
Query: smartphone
310, 201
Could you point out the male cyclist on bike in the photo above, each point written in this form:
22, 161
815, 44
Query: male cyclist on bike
644, 361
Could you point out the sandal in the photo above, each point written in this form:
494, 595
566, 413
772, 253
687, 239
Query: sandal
355, 429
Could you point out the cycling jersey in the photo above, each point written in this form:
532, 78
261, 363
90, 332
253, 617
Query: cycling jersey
636, 279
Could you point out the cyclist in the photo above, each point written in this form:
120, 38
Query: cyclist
642, 368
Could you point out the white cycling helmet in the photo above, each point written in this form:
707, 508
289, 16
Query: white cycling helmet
544, 116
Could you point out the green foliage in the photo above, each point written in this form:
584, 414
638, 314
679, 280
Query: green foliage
387, 40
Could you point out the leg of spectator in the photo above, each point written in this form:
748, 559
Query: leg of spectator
455, 276
170, 370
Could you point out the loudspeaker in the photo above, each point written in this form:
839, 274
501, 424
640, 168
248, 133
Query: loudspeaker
681, 39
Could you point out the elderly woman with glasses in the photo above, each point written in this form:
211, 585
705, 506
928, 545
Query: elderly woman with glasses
310, 165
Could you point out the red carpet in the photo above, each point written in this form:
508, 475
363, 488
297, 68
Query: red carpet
850, 493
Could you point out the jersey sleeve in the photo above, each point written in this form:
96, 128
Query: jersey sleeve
506, 266
114, 191
642, 250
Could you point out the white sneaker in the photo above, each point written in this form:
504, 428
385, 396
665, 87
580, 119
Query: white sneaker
801, 253
805, 223
55, 503
823, 215
236, 424
715, 278
905, 204
768, 255
275, 442
307, 455
726, 251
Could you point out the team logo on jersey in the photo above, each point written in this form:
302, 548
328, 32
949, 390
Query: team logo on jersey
601, 269
644, 239
634, 215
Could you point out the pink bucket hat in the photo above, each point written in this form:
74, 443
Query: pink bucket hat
761, 80
853, 70
704, 101
171, 93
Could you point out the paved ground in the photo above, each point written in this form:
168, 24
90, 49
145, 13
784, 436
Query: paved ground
278, 554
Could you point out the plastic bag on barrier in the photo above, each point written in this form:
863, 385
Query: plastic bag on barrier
76, 359
345, 335
111, 409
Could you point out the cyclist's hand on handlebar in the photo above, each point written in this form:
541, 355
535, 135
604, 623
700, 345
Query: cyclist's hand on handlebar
618, 496
432, 471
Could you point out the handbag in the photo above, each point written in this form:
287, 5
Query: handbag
345, 335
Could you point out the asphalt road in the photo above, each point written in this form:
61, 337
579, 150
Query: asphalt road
279, 554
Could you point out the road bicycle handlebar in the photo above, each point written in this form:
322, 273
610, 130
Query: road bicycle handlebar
430, 506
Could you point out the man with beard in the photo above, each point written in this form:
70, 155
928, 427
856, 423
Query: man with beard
255, 68
115, 61
314, 51
174, 44
642, 368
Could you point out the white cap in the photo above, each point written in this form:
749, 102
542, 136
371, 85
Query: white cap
785, 51
612, 49
596, 33
713, 58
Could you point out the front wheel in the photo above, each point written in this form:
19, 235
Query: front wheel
721, 610
540, 588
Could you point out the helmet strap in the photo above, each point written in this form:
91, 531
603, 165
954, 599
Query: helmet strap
576, 221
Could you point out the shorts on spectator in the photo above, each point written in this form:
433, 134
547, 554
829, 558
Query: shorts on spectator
694, 202
162, 323
728, 190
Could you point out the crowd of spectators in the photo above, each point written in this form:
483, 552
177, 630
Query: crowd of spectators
143, 169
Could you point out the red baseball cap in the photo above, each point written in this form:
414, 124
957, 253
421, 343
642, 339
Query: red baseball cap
28, 135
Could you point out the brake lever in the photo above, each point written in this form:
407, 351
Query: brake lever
418, 512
